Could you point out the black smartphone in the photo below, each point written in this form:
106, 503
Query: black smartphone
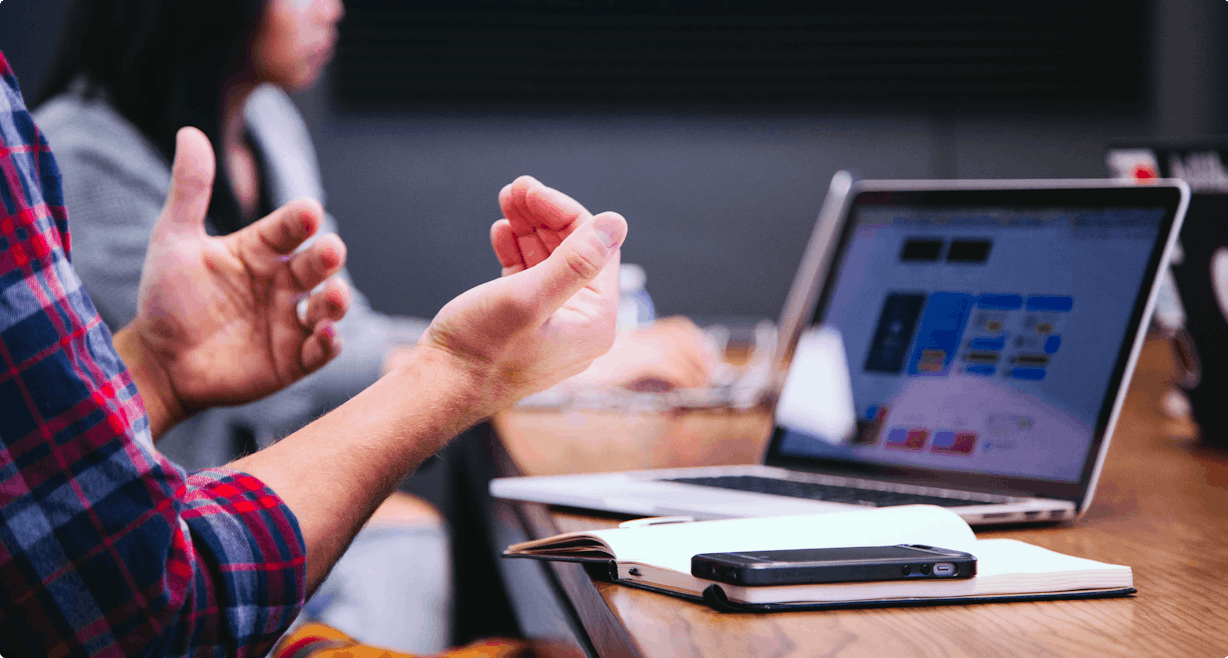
833, 565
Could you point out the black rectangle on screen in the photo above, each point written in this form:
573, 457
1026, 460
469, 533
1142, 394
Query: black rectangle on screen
921, 249
969, 251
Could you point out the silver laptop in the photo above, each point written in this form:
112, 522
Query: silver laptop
959, 343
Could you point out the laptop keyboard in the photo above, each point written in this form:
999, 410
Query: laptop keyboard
826, 492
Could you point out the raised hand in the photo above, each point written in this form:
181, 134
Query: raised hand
552, 312
216, 317
536, 221
485, 349
671, 354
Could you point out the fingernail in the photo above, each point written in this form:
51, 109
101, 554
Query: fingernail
330, 332
609, 230
285, 258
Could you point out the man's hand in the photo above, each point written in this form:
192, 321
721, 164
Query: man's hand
216, 317
553, 311
671, 354
546, 319
536, 221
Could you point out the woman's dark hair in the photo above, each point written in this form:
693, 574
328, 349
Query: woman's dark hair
163, 64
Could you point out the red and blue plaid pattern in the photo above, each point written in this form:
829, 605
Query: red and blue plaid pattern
106, 548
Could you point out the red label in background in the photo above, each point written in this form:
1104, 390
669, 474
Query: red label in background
1134, 164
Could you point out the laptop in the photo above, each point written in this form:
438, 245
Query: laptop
967, 344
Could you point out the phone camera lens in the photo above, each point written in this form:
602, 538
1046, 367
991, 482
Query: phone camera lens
925, 569
907, 570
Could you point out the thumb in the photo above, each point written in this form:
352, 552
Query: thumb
191, 181
576, 262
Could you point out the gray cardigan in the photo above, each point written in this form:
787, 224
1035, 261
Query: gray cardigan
115, 183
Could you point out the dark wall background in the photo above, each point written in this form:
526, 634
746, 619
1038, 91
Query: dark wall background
720, 202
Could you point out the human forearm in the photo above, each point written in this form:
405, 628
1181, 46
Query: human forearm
336, 471
490, 346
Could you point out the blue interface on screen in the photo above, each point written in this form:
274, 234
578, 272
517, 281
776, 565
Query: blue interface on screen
982, 340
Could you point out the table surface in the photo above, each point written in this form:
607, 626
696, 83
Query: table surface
1160, 508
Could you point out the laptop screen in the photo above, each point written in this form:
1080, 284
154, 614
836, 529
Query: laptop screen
981, 333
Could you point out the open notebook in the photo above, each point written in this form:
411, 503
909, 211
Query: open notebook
658, 557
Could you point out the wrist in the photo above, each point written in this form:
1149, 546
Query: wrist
152, 382
462, 389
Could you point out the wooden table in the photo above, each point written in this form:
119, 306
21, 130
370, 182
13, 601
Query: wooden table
1161, 508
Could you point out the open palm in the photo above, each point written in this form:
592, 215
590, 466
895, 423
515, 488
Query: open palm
218, 314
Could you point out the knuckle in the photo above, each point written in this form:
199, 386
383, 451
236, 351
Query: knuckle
317, 264
285, 231
189, 189
584, 261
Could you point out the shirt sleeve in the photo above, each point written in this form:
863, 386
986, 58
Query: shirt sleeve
106, 548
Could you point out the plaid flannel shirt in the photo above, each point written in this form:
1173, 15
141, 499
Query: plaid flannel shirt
106, 548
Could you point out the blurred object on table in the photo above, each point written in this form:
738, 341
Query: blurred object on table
1154, 399
739, 379
635, 307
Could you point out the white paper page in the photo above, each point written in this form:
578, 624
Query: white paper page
1005, 557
